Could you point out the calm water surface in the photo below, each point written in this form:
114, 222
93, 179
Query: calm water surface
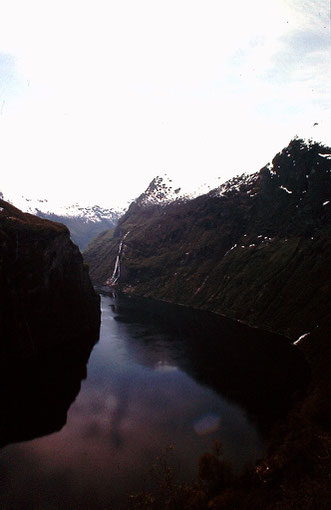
137, 400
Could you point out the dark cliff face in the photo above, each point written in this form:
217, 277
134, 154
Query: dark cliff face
46, 296
256, 249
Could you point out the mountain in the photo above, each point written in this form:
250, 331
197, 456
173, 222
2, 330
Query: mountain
257, 248
84, 222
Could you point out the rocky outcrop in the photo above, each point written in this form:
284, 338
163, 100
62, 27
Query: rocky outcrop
46, 297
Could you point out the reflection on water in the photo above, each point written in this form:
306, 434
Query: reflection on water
147, 388
36, 393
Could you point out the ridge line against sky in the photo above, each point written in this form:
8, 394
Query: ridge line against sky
97, 98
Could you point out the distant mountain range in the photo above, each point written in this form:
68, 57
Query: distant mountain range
84, 223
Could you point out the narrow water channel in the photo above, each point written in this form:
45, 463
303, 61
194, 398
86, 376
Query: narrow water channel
144, 392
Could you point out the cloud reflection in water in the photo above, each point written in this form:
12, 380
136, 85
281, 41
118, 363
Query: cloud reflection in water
135, 402
207, 424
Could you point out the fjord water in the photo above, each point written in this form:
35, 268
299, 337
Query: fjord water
148, 387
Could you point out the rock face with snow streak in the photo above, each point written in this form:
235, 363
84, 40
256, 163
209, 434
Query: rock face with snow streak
46, 297
257, 248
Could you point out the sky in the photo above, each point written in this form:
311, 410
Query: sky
98, 97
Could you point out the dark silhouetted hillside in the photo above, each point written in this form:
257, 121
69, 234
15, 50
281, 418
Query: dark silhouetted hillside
46, 296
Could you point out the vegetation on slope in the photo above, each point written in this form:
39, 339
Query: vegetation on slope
256, 249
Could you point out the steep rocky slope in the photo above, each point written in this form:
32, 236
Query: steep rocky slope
46, 296
256, 249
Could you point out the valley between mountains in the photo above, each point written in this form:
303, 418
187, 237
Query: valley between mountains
256, 249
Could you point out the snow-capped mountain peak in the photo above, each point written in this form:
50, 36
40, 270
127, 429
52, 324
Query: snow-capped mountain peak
160, 191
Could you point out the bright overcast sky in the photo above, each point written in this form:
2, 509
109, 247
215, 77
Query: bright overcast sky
98, 97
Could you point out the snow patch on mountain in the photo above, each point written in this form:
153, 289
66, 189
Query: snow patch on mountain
301, 338
241, 183
285, 189
271, 169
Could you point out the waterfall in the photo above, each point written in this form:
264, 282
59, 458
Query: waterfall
113, 280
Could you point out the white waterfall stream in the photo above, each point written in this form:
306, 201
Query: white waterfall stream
117, 268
